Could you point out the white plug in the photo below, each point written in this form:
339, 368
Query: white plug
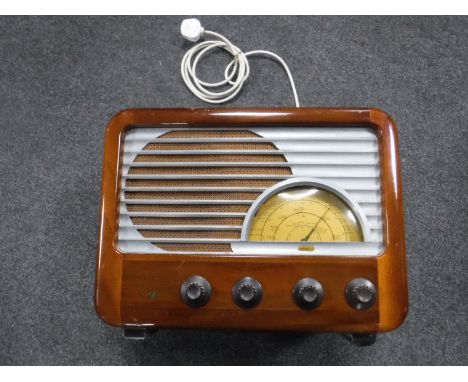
191, 29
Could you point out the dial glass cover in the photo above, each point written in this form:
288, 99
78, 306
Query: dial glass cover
305, 214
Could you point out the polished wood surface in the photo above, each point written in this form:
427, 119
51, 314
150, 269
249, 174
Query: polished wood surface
142, 289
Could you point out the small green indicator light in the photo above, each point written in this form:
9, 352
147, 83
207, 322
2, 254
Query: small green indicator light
152, 294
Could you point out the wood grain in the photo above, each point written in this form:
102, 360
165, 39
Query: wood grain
143, 289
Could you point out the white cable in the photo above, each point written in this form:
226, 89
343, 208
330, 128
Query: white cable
236, 72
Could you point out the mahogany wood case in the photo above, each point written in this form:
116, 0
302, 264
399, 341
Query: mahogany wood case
144, 289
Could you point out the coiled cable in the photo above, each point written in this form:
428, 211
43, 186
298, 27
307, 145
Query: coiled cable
235, 74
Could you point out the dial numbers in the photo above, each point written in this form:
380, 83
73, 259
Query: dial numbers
305, 214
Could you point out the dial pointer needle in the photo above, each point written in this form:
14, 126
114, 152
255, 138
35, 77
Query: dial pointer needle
314, 227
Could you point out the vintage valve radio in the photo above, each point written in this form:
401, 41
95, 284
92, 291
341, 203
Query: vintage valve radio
287, 219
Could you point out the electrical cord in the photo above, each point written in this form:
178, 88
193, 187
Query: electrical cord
236, 72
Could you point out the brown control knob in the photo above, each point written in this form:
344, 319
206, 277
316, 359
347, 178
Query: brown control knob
196, 291
247, 292
308, 293
361, 294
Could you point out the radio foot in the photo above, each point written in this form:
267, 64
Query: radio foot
363, 339
136, 333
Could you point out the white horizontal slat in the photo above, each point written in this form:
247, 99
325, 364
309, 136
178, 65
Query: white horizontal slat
311, 170
293, 159
331, 133
205, 176
176, 214
347, 184
182, 201
375, 225
366, 196
320, 249
361, 172
375, 222
334, 171
194, 189
371, 209
317, 138
335, 148
356, 183
187, 152
192, 165
130, 237
179, 227
377, 236
272, 133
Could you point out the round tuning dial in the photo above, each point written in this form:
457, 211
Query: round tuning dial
361, 294
247, 293
196, 291
308, 293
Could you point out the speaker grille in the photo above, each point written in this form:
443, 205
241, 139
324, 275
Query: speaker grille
212, 210
188, 190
